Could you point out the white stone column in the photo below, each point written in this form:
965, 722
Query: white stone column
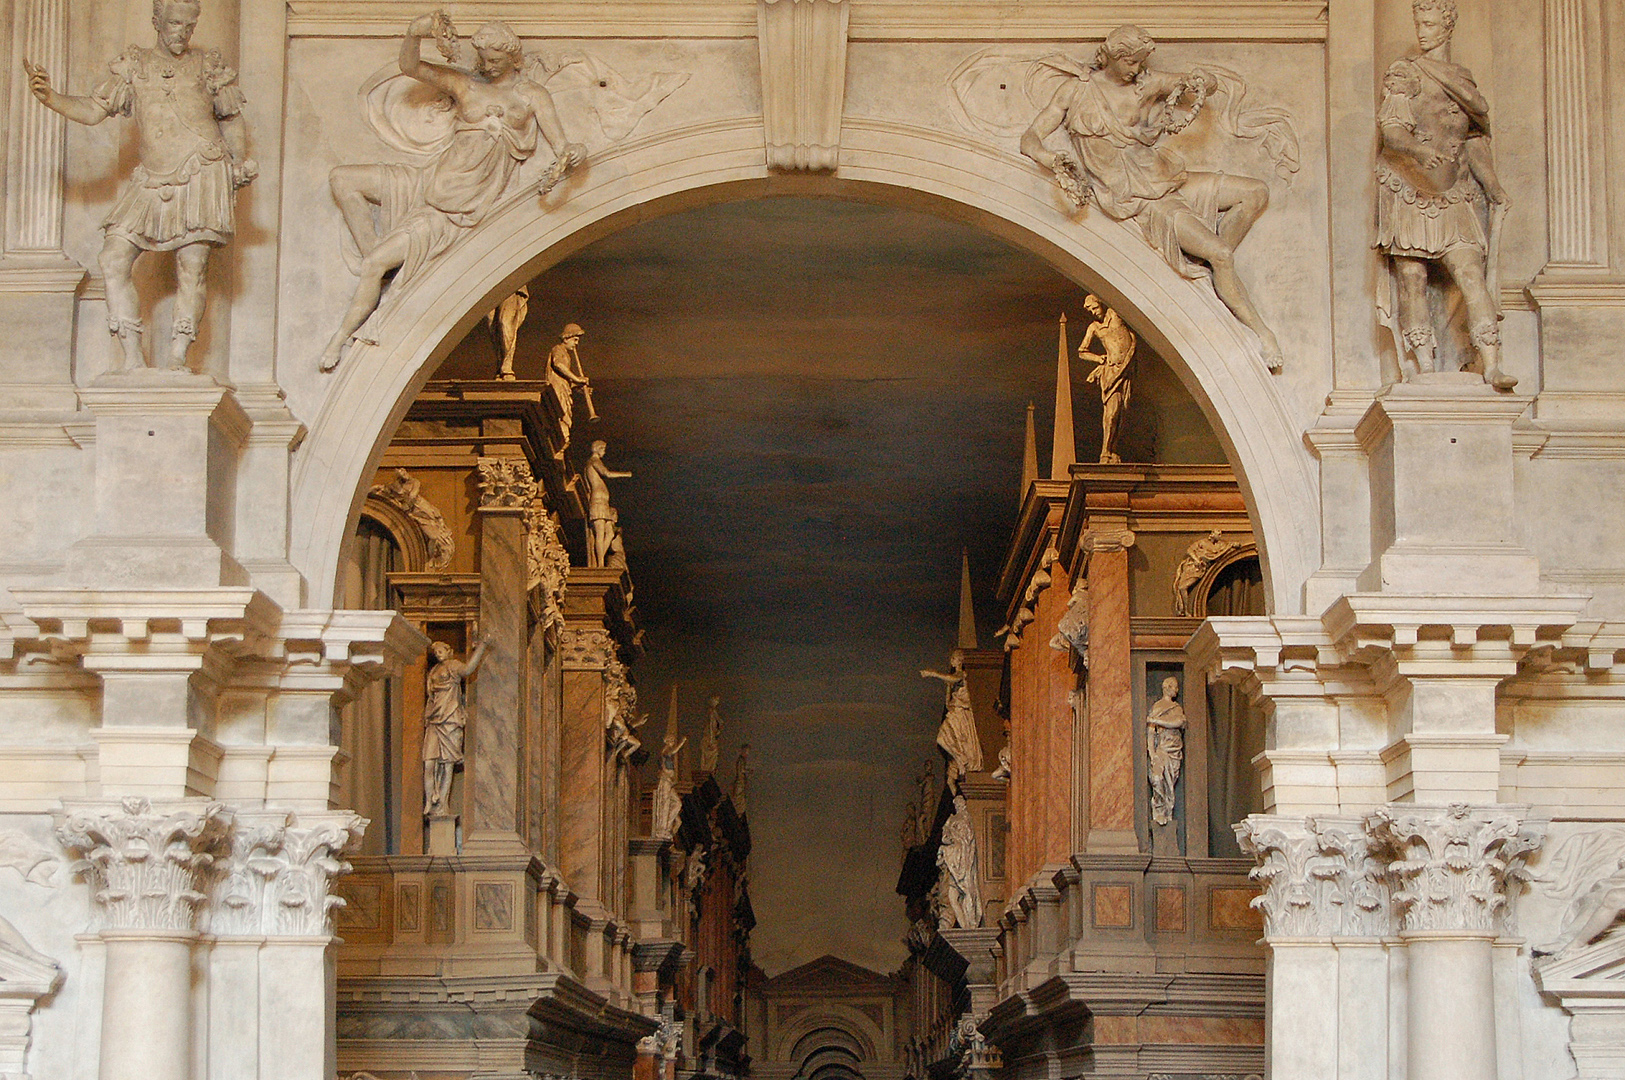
1451, 868
148, 868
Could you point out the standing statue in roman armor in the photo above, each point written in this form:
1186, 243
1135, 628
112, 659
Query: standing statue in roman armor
193, 157
1438, 199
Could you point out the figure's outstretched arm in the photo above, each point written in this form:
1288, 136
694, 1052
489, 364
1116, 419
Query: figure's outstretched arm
949, 679
414, 66
475, 660
81, 110
1043, 126
547, 121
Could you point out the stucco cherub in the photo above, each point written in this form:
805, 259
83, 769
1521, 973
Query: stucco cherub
192, 159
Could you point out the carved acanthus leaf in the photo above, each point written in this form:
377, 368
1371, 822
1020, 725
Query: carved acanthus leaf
1453, 867
506, 483
148, 868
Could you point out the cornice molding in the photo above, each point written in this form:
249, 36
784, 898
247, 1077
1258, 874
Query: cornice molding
871, 20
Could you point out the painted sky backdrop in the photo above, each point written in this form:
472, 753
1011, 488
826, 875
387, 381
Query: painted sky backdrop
821, 403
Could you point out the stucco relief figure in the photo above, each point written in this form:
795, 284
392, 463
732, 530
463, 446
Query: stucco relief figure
667, 804
406, 493
1116, 115
601, 517
957, 735
1111, 370
401, 216
710, 737
1165, 750
193, 157
1199, 557
1438, 198
961, 867
503, 323
565, 376
445, 719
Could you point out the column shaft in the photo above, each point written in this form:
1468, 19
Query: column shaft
1111, 706
147, 1006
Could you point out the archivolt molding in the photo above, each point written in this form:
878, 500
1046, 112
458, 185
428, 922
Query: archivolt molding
883, 162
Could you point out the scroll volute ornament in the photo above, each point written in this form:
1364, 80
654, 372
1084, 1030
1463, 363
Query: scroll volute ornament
803, 45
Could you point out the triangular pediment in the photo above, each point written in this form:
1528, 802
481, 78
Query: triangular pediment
24, 972
1600, 963
830, 972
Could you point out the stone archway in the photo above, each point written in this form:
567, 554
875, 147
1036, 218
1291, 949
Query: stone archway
881, 162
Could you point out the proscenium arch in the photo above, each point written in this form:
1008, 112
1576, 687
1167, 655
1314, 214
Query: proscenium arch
881, 162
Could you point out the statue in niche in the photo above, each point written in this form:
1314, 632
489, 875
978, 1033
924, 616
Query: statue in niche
565, 376
667, 804
1002, 773
960, 866
1438, 199
193, 157
503, 323
1116, 114
957, 735
601, 517
445, 719
422, 209
710, 737
406, 493
1199, 557
1165, 750
1111, 370
741, 786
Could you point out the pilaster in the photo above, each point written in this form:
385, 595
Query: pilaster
495, 781
1110, 706
38, 281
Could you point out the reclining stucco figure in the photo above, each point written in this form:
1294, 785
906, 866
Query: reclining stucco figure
421, 210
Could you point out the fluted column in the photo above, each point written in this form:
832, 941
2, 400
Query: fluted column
1570, 187
148, 868
36, 147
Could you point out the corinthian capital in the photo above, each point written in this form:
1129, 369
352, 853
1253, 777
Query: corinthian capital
1322, 877
148, 867
506, 483
1452, 866
278, 879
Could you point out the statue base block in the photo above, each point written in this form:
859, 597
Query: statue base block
442, 836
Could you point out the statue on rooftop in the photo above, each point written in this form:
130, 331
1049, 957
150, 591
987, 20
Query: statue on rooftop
957, 735
503, 323
1111, 371
961, 868
601, 517
193, 157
